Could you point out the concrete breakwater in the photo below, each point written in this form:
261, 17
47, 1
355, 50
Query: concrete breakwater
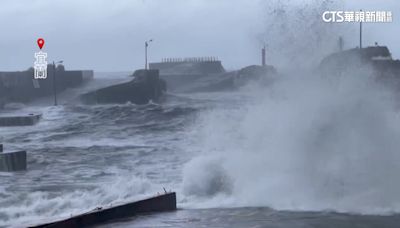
160, 203
20, 86
145, 86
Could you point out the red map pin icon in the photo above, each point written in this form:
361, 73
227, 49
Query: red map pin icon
40, 42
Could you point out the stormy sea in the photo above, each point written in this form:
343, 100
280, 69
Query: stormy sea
306, 151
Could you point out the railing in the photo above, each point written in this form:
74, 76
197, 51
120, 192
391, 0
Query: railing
190, 60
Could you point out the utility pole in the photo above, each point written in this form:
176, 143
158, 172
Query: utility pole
146, 44
263, 56
54, 82
341, 43
360, 32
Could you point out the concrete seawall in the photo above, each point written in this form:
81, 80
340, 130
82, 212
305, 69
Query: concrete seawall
166, 202
188, 68
20, 86
144, 87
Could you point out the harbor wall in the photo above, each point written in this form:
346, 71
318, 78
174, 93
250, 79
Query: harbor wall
20, 86
187, 67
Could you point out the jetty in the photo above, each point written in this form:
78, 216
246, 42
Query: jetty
159, 203
145, 86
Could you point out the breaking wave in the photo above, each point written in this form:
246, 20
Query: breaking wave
308, 143
39, 206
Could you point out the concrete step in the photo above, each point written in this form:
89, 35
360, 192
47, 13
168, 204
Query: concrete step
7, 120
13, 161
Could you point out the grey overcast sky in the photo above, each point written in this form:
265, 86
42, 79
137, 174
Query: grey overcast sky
109, 35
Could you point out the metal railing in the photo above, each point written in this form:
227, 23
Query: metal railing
190, 60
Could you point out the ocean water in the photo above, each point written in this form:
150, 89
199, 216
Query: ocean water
306, 151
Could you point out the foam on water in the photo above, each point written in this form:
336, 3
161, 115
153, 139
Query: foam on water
46, 206
309, 143
82, 157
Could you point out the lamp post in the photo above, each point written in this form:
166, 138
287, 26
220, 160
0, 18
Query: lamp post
360, 32
54, 81
146, 44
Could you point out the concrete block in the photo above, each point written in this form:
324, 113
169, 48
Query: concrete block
144, 87
160, 203
13, 161
19, 120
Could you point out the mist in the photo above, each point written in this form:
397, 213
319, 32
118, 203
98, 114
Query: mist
308, 142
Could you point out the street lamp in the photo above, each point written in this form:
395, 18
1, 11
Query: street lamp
54, 81
146, 44
360, 31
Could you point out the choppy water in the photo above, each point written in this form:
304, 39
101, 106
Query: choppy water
82, 156
256, 218
288, 156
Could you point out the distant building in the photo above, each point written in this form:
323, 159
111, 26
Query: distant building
188, 66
